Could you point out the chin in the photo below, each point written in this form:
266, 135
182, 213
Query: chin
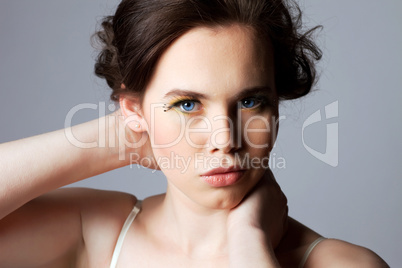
225, 200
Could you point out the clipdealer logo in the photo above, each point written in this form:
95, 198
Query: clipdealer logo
331, 154
329, 157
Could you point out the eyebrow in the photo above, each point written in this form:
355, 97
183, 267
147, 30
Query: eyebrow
266, 90
182, 92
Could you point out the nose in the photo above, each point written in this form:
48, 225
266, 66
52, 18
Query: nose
224, 136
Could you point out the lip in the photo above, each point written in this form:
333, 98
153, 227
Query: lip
220, 177
221, 170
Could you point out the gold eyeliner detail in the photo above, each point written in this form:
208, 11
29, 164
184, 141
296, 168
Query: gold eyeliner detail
176, 101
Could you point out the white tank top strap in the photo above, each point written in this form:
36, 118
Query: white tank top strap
123, 233
309, 250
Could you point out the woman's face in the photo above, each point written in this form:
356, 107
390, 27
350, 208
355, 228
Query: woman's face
212, 103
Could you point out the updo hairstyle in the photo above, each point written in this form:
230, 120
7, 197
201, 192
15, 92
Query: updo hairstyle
137, 35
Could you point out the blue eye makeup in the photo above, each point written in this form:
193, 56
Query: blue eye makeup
188, 104
184, 105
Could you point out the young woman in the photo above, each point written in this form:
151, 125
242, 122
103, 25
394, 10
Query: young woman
198, 82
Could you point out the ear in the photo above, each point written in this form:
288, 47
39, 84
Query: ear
131, 110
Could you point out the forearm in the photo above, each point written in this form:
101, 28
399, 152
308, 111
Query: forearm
249, 247
35, 165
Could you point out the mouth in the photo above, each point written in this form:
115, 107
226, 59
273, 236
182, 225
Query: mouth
220, 177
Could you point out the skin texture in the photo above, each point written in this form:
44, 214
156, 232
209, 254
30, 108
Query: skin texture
194, 224
218, 63
227, 62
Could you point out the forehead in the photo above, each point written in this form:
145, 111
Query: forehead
219, 59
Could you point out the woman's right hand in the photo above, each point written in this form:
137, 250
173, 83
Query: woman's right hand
36, 165
41, 227
31, 168
133, 146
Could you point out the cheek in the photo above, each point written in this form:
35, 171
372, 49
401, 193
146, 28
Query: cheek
169, 145
165, 130
259, 133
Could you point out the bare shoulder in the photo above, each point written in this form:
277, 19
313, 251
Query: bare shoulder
338, 253
328, 253
90, 202
77, 204
103, 214
94, 199
100, 206
64, 227
94, 207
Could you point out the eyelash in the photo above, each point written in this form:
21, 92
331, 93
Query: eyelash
180, 100
262, 102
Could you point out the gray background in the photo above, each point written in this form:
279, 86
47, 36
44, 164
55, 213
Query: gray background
46, 65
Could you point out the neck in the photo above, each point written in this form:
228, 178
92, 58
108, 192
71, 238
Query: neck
196, 230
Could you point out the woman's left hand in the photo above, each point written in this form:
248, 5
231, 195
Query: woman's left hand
261, 217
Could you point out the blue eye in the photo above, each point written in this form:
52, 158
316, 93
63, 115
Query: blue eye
187, 106
250, 103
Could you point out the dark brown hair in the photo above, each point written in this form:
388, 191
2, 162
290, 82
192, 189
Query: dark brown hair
134, 39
